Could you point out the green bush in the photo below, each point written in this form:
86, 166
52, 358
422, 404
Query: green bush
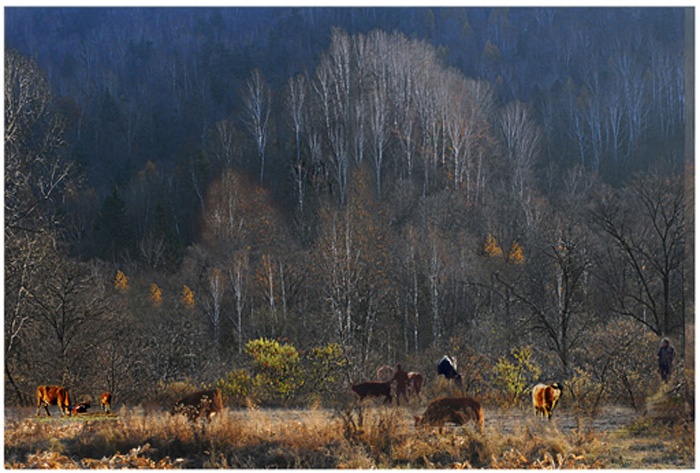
282, 374
322, 368
236, 387
278, 376
514, 377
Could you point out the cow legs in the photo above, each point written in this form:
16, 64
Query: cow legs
46, 406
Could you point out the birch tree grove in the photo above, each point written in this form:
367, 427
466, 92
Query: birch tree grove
382, 188
521, 137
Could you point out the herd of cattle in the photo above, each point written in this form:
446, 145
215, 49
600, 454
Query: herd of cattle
457, 410
57, 395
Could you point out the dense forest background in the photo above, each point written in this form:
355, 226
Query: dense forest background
397, 183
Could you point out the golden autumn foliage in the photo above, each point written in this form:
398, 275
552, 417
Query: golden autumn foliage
516, 253
491, 246
187, 297
155, 295
121, 282
493, 249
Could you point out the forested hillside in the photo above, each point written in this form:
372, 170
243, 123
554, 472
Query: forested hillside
385, 184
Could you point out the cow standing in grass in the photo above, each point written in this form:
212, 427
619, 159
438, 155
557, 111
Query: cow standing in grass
106, 402
447, 367
204, 404
372, 389
415, 382
52, 395
545, 398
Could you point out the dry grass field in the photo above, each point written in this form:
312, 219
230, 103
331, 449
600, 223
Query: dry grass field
371, 437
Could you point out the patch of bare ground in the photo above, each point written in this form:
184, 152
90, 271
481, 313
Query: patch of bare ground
373, 436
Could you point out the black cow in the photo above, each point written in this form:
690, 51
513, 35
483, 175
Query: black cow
448, 368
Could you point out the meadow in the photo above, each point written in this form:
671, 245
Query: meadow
371, 436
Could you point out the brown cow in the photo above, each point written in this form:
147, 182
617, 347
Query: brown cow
52, 395
458, 410
106, 401
545, 397
415, 382
199, 404
372, 389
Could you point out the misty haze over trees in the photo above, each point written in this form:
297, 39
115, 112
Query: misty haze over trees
403, 182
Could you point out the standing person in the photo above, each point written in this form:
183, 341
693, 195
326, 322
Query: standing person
666, 354
401, 378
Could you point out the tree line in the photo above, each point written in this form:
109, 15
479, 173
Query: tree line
381, 201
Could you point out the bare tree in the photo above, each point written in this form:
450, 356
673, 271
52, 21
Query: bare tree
216, 289
224, 142
296, 101
256, 97
643, 262
378, 118
37, 177
553, 289
521, 137
237, 278
332, 102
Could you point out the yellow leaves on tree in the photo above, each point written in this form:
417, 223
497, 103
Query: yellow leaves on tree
493, 249
516, 253
514, 374
155, 295
187, 298
121, 282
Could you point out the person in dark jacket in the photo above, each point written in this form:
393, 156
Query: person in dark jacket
401, 378
666, 355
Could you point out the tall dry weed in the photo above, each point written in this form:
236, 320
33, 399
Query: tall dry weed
358, 437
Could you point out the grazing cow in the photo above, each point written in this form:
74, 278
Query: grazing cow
106, 401
204, 404
458, 410
545, 397
385, 373
52, 395
448, 368
415, 382
81, 407
372, 389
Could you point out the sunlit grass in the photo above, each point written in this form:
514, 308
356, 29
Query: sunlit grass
371, 437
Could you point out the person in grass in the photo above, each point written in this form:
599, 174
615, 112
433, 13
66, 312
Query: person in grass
666, 354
